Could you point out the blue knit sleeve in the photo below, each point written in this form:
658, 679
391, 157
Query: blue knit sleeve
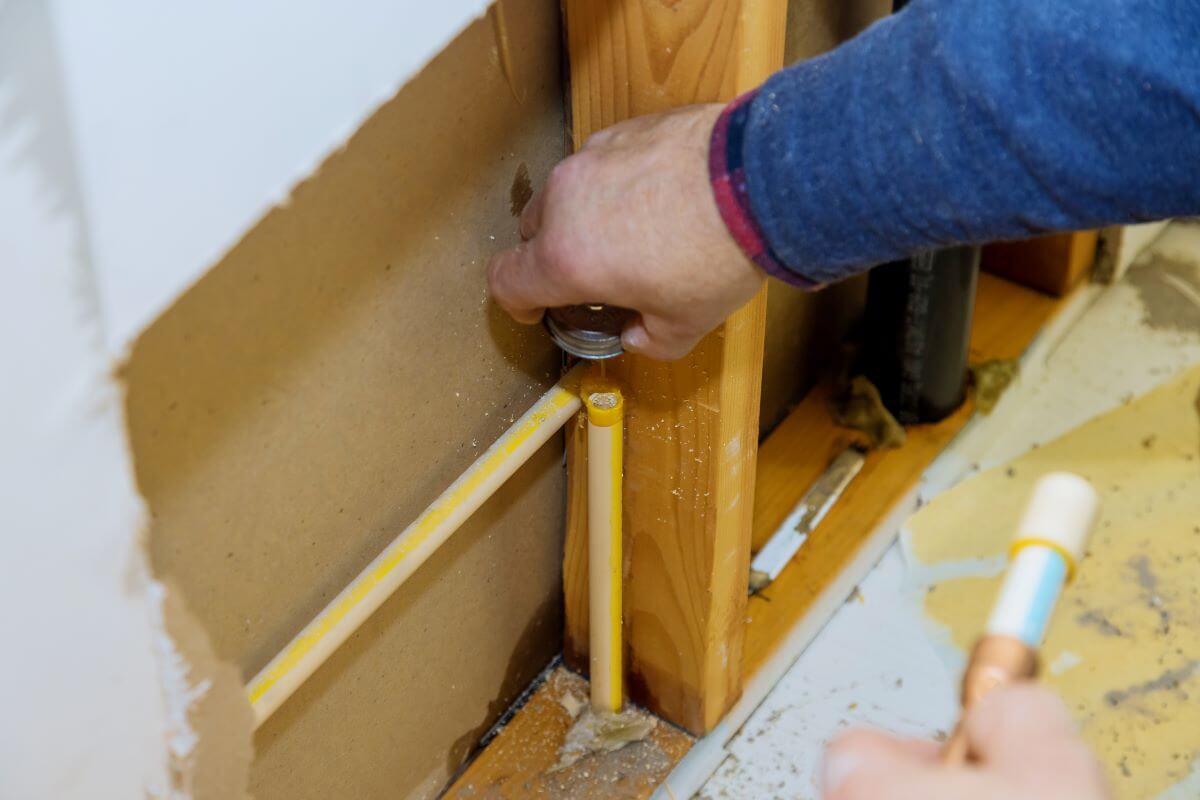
963, 121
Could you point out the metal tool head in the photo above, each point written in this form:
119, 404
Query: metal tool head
590, 331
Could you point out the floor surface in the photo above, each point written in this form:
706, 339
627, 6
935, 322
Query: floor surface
879, 661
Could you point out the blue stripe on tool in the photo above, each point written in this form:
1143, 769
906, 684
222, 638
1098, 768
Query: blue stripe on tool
1042, 603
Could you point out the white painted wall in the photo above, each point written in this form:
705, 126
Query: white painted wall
138, 141
83, 713
191, 119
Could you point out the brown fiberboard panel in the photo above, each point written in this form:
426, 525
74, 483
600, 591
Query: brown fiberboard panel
329, 377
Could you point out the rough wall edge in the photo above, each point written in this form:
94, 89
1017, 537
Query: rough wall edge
122, 330
83, 712
87, 703
210, 726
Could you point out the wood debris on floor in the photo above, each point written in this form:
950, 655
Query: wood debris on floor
520, 764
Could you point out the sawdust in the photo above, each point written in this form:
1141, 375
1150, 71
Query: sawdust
573, 704
990, 380
860, 407
759, 580
523, 759
603, 400
597, 732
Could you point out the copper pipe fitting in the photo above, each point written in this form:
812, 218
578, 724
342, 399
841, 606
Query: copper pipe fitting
995, 661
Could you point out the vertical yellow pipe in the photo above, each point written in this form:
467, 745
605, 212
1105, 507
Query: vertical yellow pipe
605, 413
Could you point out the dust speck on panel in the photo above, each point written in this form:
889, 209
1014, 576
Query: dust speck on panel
521, 191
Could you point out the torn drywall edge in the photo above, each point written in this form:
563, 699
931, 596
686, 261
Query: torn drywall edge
83, 712
178, 693
183, 159
209, 722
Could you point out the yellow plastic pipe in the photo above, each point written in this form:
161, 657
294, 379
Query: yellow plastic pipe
279, 679
605, 425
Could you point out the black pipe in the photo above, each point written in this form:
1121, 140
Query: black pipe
918, 330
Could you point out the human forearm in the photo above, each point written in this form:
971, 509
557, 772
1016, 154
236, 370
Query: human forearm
959, 121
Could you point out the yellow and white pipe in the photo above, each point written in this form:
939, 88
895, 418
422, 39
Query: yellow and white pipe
367, 592
605, 426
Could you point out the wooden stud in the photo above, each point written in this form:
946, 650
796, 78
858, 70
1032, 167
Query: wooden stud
693, 424
1054, 264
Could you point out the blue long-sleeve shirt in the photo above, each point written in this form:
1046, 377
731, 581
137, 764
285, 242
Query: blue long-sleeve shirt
961, 121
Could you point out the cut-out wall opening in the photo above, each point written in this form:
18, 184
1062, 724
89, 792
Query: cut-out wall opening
336, 370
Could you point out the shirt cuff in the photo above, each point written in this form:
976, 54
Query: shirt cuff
726, 172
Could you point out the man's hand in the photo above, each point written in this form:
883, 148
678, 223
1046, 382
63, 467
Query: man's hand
1027, 746
630, 220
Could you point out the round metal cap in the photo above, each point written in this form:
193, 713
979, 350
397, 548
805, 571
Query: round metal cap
590, 331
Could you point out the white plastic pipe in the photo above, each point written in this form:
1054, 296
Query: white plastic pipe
279, 679
1051, 539
605, 413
